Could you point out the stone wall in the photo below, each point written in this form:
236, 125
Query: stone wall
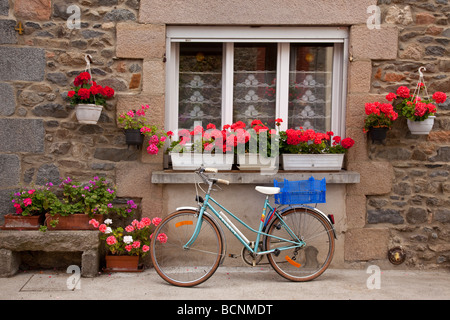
417, 209
41, 138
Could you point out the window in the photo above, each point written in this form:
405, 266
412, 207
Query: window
225, 74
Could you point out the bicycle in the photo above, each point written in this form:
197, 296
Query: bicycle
187, 246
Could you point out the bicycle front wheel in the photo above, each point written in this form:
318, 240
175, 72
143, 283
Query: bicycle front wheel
301, 263
182, 266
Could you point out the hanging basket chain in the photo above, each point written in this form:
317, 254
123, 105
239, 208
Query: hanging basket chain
420, 84
88, 59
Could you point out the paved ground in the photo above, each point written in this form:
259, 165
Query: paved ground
231, 283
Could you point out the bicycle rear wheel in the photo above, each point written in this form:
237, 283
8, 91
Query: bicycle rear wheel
310, 261
178, 265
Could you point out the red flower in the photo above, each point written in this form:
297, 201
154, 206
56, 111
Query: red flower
71, 93
109, 92
347, 143
84, 93
403, 92
81, 79
391, 96
439, 97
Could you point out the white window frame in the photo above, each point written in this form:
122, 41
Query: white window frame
281, 35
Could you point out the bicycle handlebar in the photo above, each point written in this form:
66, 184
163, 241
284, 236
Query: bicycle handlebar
200, 171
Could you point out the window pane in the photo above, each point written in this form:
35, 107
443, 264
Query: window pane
254, 82
200, 84
310, 75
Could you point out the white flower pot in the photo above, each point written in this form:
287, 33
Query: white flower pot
421, 127
192, 161
255, 161
88, 113
313, 162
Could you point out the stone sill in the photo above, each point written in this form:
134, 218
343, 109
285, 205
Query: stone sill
254, 177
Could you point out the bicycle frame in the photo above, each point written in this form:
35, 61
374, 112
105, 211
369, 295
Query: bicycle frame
297, 243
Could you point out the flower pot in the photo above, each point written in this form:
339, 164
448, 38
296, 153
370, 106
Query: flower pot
378, 134
193, 160
88, 113
421, 127
256, 161
134, 137
72, 222
313, 162
122, 263
18, 222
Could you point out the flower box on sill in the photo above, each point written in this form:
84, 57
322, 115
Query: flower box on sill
256, 161
313, 162
193, 160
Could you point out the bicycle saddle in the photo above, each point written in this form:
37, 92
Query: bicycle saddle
268, 190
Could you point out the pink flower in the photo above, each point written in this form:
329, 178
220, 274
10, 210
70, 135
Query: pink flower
146, 221
128, 247
111, 240
129, 228
152, 149
136, 244
31, 191
102, 228
27, 202
145, 248
156, 221
94, 223
18, 208
162, 238
130, 113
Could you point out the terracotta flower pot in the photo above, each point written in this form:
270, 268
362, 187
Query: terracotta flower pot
72, 222
122, 263
18, 222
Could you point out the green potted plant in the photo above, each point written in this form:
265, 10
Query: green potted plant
89, 98
379, 119
135, 125
125, 245
82, 201
30, 204
312, 151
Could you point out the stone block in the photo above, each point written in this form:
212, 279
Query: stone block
7, 100
154, 79
360, 74
22, 64
8, 34
9, 263
262, 12
33, 9
22, 135
355, 211
4, 7
366, 244
374, 44
375, 177
134, 181
9, 170
140, 41
155, 113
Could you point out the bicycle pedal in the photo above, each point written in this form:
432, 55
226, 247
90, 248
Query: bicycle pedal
232, 255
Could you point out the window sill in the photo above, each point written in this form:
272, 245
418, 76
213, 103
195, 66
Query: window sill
241, 177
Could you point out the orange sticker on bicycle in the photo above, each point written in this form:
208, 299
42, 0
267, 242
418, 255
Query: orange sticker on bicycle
295, 264
183, 223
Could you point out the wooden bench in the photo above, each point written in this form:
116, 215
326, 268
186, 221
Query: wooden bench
12, 242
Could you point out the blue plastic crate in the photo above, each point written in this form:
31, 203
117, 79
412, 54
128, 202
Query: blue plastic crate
302, 191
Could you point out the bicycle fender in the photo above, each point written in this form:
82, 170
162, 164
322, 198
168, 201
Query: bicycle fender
222, 234
316, 211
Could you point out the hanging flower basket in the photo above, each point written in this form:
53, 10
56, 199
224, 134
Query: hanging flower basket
421, 127
134, 137
378, 134
88, 113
